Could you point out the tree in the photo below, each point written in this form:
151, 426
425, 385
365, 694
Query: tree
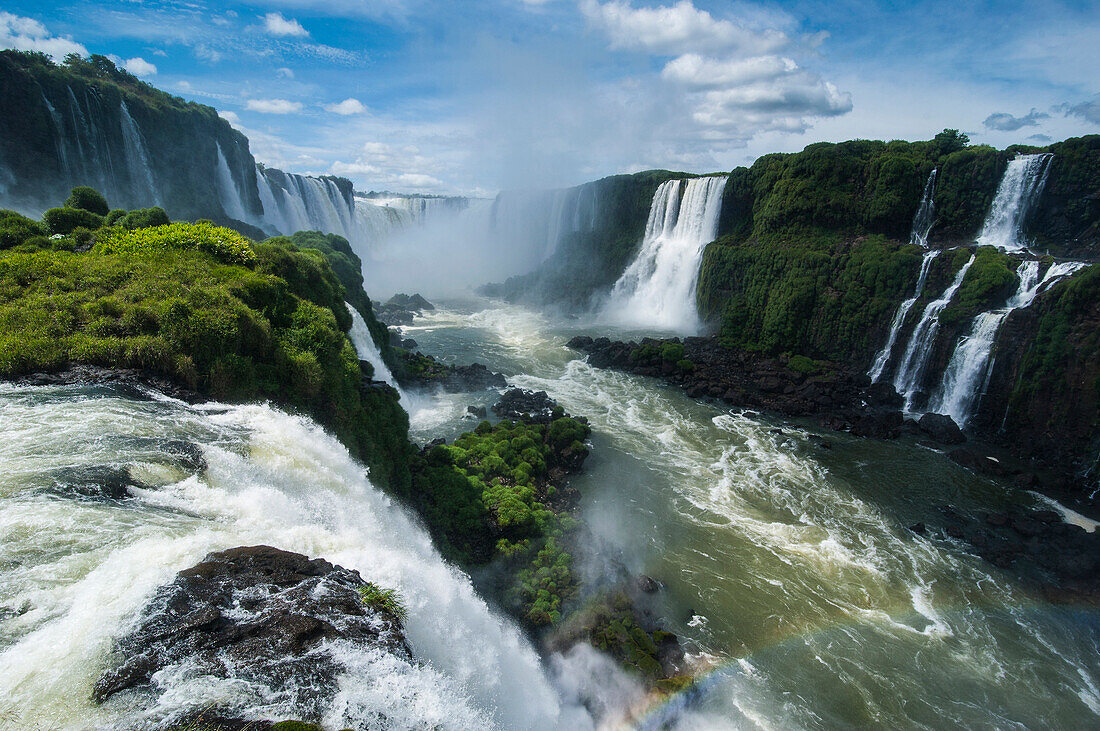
950, 140
88, 199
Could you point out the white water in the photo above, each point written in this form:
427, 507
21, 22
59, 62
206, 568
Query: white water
883, 357
971, 364
907, 381
1019, 189
228, 192
657, 290
368, 351
925, 216
272, 479
141, 176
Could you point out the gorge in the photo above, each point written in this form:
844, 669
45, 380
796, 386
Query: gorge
709, 496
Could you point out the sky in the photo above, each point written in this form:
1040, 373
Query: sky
478, 96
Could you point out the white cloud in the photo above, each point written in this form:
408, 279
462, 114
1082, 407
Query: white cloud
701, 72
231, 117
273, 106
346, 107
139, 67
676, 29
277, 25
284, 73
27, 34
1005, 122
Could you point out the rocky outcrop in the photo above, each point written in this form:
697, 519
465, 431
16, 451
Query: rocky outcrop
941, 428
424, 371
258, 614
842, 399
401, 309
534, 406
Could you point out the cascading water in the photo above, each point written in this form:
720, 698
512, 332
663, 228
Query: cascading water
971, 364
883, 357
925, 216
658, 288
141, 175
919, 350
1019, 189
271, 478
368, 351
228, 191
922, 225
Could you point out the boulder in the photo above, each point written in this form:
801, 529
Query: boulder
941, 428
260, 615
533, 406
879, 425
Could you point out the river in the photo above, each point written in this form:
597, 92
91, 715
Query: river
783, 553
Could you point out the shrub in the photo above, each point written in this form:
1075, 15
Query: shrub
64, 220
685, 365
16, 229
672, 352
88, 199
224, 243
143, 218
386, 600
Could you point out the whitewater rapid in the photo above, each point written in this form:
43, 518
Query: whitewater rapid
77, 571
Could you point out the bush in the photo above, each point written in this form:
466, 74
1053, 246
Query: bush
224, 243
64, 220
672, 352
142, 218
88, 199
16, 229
386, 600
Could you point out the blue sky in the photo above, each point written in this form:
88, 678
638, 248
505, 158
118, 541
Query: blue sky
473, 97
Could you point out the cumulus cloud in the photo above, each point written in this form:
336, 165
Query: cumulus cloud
278, 25
1088, 111
1005, 122
27, 34
139, 66
273, 106
676, 29
346, 107
734, 78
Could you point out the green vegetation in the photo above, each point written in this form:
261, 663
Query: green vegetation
989, 282
88, 199
206, 308
490, 496
385, 600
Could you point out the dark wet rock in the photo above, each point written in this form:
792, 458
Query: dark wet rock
533, 406
112, 482
879, 425
425, 371
941, 428
477, 412
401, 309
884, 395
257, 614
129, 382
648, 585
413, 302
919, 528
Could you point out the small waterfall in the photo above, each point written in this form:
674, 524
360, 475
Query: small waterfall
1017, 193
368, 351
61, 142
926, 214
971, 365
883, 357
228, 190
913, 362
138, 158
658, 288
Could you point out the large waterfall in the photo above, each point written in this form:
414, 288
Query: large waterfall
1017, 193
538, 220
971, 364
657, 290
911, 369
271, 478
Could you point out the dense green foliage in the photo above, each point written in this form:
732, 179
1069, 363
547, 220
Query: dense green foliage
207, 308
820, 296
88, 199
990, 281
489, 496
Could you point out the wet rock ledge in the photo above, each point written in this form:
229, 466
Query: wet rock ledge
258, 614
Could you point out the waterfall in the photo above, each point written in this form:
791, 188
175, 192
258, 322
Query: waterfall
230, 194
658, 288
538, 220
971, 364
61, 141
368, 351
271, 478
1020, 188
926, 214
138, 158
919, 350
883, 357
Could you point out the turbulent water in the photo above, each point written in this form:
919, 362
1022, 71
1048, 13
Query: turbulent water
77, 571
1017, 193
788, 568
658, 288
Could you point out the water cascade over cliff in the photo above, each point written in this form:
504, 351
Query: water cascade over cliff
971, 364
1017, 194
267, 478
368, 351
913, 363
658, 288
